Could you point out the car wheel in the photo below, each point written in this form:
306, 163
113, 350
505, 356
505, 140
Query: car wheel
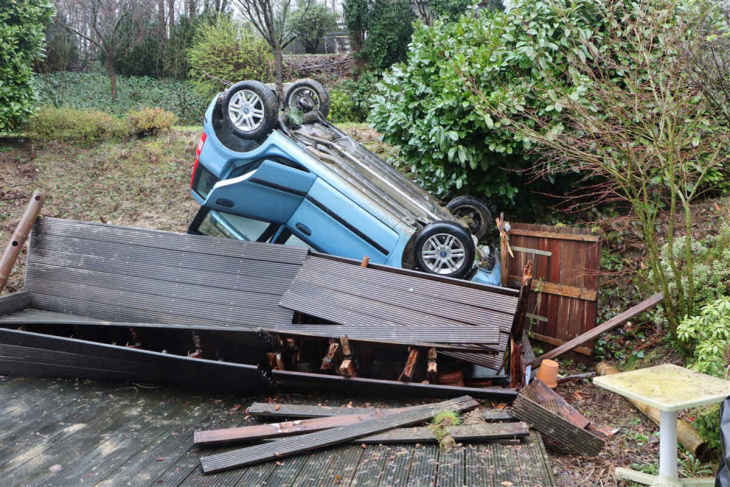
308, 89
250, 109
444, 248
475, 214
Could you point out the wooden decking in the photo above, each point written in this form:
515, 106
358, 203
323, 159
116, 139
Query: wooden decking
65, 433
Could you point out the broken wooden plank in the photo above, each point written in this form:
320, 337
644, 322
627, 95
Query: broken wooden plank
347, 367
333, 352
517, 371
614, 322
410, 366
558, 289
556, 235
302, 411
312, 441
547, 412
498, 415
287, 428
432, 366
474, 433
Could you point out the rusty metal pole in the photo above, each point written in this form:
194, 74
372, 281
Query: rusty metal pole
688, 436
20, 235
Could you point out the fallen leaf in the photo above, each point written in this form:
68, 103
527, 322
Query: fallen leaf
54, 469
159, 459
507, 482
235, 408
280, 463
278, 406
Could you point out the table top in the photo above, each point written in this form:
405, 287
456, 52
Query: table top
667, 387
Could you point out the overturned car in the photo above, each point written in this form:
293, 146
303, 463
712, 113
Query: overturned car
293, 178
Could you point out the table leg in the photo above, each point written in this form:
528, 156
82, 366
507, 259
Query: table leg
668, 446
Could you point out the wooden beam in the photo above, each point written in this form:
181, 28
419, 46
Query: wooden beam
474, 433
332, 353
313, 441
287, 428
365, 261
503, 249
302, 411
556, 342
347, 367
555, 235
517, 371
614, 322
20, 235
410, 367
432, 367
558, 289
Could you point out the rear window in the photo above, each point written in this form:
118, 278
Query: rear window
204, 181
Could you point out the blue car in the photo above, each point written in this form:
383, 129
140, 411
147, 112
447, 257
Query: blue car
291, 177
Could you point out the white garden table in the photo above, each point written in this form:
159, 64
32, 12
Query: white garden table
669, 388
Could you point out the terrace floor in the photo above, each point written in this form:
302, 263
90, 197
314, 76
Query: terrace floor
57, 432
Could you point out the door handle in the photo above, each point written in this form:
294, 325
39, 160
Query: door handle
304, 229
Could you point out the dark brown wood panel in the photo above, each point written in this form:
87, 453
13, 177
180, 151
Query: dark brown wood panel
566, 281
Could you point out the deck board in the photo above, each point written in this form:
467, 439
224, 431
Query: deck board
135, 435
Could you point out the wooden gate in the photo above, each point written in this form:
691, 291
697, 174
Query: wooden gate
566, 267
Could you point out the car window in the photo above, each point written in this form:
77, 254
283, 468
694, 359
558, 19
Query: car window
226, 225
294, 241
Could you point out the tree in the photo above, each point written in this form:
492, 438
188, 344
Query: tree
619, 105
22, 25
312, 24
271, 19
113, 26
356, 19
225, 52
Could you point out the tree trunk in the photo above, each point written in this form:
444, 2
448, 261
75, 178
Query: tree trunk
162, 18
278, 73
170, 15
113, 81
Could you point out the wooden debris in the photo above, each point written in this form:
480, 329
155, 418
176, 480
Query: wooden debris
614, 322
498, 415
287, 428
408, 370
517, 371
303, 411
475, 433
347, 367
275, 360
546, 411
313, 441
333, 353
432, 367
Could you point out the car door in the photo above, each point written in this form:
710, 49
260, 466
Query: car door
270, 191
334, 224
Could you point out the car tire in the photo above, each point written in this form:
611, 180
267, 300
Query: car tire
476, 212
250, 109
309, 88
444, 248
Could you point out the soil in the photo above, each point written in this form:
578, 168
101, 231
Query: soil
145, 183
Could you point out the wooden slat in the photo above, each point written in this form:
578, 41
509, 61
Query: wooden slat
14, 302
478, 433
558, 289
304, 411
276, 430
554, 341
566, 425
554, 235
614, 322
311, 441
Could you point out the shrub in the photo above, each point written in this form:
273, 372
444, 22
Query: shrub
90, 91
390, 28
22, 24
150, 121
227, 52
69, 125
350, 100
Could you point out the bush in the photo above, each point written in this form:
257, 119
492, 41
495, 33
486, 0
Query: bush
227, 52
390, 28
69, 125
90, 91
150, 121
350, 100
22, 24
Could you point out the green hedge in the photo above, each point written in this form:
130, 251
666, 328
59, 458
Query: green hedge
22, 37
90, 91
